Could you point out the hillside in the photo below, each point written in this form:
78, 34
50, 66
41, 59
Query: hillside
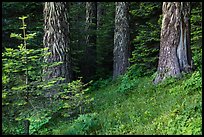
136, 106
102, 68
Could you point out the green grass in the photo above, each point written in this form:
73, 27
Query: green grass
142, 108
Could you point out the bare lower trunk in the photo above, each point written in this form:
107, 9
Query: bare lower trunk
175, 51
26, 124
121, 39
56, 38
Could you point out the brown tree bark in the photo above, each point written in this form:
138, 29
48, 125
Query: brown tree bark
90, 51
175, 52
121, 39
56, 38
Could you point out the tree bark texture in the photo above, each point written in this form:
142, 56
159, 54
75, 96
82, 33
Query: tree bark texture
56, 38
175, 52
121, 39
90, 51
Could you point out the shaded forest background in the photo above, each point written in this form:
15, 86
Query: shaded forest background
145, 29
140, 27
145, 24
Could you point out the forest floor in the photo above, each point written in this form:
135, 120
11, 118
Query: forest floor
137, 106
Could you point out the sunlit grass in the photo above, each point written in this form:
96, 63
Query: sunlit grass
144, 109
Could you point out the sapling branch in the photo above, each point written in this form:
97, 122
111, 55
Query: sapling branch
26, 73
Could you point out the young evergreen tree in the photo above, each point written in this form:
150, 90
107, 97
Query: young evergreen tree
121, 39
56, 38
175, 52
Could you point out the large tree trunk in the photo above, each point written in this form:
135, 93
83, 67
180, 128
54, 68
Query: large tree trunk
56, 38
121, 39
90, 51
175, 51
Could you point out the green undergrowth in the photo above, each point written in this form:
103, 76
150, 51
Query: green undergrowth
136, 106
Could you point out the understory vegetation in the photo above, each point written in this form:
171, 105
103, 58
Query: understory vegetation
129, 105
139, 107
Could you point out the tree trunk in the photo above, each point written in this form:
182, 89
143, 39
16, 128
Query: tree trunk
175, 51
56, 38
90, 51
100, 12
121, 39
26, 124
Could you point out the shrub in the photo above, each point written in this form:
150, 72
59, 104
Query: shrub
84, 124
26, 97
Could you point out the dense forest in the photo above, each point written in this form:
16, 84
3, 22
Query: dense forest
101, 68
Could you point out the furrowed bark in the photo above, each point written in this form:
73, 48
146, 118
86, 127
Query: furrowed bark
56, 38
121, 39
175, 52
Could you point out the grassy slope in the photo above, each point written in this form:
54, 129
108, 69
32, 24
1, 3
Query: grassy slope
173, 107
170, 108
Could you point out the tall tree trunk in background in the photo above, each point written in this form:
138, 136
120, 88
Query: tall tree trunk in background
56, 38
99, 40
100, 12
90, 51
121, 39
175, 51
